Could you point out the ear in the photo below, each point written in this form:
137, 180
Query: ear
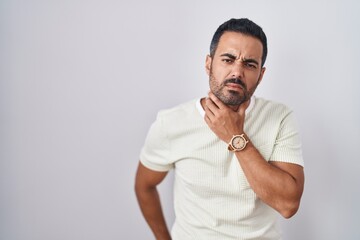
208, 64
261, 74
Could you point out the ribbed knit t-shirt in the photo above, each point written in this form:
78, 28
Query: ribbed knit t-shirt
212, 197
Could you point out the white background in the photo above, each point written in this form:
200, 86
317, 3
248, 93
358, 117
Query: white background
81, 82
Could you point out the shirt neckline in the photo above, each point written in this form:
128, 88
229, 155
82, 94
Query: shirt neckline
202, 112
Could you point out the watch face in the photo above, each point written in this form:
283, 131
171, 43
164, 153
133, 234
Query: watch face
238, 142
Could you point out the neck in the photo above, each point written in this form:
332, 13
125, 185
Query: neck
234, 107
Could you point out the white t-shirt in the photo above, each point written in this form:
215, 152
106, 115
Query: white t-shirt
212, 197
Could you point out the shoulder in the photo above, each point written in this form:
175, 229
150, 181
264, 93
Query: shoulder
180, 119
269, 108
179, 112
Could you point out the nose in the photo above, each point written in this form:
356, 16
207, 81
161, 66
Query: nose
237, 70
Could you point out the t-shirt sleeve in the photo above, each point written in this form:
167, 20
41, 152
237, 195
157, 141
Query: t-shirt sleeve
287, 146
155, 153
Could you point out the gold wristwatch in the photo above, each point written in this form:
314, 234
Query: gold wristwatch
237, 143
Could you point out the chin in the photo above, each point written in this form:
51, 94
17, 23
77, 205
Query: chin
235, 101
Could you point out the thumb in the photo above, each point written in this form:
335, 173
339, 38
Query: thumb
243, 107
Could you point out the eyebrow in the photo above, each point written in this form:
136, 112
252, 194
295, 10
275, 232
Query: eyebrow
229, 55
233, 57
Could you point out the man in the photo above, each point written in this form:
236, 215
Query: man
237, 158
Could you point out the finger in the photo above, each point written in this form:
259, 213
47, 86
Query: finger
210, 105
207, 119
243, 107
208, 113
217, 101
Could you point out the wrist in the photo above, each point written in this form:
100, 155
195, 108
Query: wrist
238, 142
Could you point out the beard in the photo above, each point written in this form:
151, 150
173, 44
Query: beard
231, 97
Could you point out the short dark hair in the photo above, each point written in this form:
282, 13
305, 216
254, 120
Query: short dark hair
244, 26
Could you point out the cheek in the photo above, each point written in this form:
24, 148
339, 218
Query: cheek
214, 84
252, 79
254, 85
220, 74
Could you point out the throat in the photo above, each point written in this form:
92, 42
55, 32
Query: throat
234, 107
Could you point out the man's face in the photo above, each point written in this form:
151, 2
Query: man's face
235, 69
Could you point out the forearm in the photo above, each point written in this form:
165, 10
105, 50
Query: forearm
150, 205
274, 186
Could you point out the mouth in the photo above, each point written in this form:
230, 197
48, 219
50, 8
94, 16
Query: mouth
234, 86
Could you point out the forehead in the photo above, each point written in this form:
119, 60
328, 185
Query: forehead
240, 45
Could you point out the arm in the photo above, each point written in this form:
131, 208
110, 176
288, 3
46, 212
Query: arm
149, 201
280, 185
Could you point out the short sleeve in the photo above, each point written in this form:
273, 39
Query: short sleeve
155, 153
287, 146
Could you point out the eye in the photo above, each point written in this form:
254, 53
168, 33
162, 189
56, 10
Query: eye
250, 65
227, 60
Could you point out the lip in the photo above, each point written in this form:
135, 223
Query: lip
234, 86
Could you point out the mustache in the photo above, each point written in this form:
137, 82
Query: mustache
236, 81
